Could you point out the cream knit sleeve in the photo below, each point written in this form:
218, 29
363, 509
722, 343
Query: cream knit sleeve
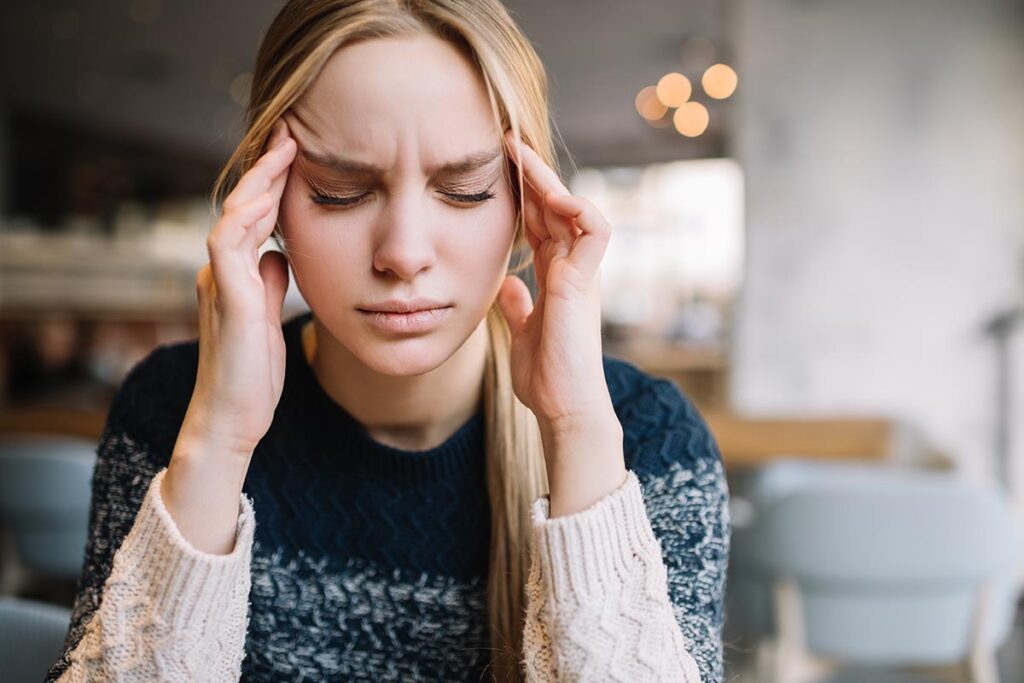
169, 611
598, 606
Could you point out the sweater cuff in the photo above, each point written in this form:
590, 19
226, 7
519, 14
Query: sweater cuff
187, 587
589, 551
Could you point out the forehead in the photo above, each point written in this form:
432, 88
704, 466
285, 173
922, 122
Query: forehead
392, 101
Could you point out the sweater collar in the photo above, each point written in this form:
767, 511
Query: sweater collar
333, 427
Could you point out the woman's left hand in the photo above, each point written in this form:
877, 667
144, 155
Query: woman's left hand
556, 356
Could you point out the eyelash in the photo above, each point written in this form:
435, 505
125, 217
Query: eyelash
334, 200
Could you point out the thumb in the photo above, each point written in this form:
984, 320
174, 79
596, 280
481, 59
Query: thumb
515, 302
274, 271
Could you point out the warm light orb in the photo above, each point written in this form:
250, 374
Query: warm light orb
648, 105
691, 119
719, 81
674, 89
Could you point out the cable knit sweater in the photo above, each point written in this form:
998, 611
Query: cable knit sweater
369, 562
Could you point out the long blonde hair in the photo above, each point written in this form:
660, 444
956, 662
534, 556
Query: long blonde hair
303, 35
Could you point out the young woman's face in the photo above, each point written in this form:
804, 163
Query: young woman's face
398, 191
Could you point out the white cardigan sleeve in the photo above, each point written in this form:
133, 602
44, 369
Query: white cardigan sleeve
169, 611
598, 606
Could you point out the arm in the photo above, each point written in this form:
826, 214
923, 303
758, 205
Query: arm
151, 401
631, 587
168, 611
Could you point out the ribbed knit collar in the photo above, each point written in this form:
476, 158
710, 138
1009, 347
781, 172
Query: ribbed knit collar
335, 429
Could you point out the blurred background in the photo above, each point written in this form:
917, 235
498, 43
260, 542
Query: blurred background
818, 234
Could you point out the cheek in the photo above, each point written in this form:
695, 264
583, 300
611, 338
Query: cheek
477, 252
485, 235
323, 255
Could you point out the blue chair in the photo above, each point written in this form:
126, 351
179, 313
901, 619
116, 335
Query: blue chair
873, 565
31, 638
45, 491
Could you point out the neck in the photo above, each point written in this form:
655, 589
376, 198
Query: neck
416, 412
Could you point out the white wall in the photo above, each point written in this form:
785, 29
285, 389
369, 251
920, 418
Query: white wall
883, 144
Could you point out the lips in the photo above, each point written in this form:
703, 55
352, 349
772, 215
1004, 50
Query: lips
420, 321
404, 305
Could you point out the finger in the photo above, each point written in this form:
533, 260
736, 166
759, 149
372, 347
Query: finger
589, 248
531, 238
515, 303
273, 269
233, 264
264, 227
538, 174
533, 206
259, 178
561, 227
279, 131
537, 235
541, 180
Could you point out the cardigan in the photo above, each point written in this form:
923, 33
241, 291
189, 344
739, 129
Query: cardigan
356, 560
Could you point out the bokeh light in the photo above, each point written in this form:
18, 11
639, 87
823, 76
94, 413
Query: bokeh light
691, 119
648, 105
719, 81
674, 89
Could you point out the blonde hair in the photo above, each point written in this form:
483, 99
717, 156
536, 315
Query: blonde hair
303, 35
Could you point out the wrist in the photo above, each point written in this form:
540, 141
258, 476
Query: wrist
201, 431
600, 422
201, 457
201, 491
584, 458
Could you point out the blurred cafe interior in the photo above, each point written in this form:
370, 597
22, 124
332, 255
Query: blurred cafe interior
818, 234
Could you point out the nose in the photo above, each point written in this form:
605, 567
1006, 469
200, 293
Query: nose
404, 244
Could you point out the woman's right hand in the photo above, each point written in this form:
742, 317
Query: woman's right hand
241, 356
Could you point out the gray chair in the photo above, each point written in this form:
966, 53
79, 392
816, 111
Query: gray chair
31, 638
45, 491
865, 564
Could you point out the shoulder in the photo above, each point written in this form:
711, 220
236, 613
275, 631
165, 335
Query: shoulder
149, 405
663, 431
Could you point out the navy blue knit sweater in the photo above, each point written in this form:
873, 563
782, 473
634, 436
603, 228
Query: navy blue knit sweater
370, 562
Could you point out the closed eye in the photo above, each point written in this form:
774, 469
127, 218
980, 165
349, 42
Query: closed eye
336, 200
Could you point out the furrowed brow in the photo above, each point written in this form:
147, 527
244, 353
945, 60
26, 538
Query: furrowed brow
344, 165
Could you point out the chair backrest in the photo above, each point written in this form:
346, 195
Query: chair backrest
792, 474
45, 490
888, 562
31, 638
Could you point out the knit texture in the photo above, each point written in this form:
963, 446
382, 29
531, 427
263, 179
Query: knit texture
597, 607
354, 560
170, 612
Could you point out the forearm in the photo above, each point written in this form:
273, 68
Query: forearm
584, 459
201, 488
181, 613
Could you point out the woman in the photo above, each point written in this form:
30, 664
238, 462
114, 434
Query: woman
469, 490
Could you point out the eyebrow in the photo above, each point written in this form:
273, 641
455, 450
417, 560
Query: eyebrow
342, 164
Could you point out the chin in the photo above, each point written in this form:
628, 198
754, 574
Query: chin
406, 357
